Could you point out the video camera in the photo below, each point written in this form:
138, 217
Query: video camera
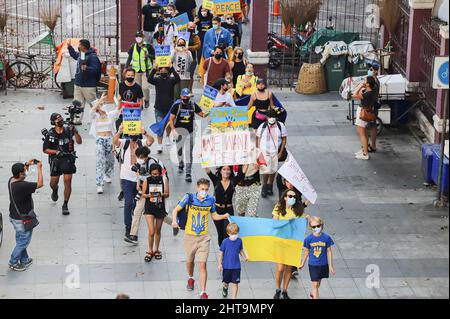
72, 110
52, 139
141, 170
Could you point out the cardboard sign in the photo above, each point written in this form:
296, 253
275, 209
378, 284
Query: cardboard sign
186, 36
295, 175
162, 55
229, 119
132, 121
208, 4
222, 7
208, 98
181, 21
227, 149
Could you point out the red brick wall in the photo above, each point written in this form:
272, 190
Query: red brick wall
129, 22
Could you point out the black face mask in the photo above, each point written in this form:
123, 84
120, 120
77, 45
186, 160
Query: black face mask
155, 179
135, 138
185, 101
240, 55
164, 75
130, 80
218, 56
225, 89
261, 90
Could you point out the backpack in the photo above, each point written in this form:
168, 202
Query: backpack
285, 152
182, 215
122, 151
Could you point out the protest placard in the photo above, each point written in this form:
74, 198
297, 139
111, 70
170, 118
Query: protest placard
222, 7
208, 4
186, 36
181, 21
163, 3
162, 55
227, 149
208, 98
295, 175
132, 121
229, 119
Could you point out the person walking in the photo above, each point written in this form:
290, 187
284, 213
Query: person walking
223, 98
215, 68
167, 31
260, 103
152, 14
246, 84
231, 26
103, 129
248, 190
87, 76
182, 60
289, 207
203, 23
317, 248
217, 37
182, 124
196, 239
195, 44
21, 209
238, 64
140, 62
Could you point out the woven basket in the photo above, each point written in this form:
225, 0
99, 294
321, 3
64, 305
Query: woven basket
311, 79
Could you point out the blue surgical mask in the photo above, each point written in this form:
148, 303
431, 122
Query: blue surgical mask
370, 73
203, 194
216, 27
291, 201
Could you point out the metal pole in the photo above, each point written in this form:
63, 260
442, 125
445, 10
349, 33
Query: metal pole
440, 201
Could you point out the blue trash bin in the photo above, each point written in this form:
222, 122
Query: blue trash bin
435, 169
427, 161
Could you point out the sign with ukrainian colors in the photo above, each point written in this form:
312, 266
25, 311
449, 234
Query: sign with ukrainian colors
208, 98
132, 120
208, 4
229, 119
163, 3
222, 7
181, 21
162, 55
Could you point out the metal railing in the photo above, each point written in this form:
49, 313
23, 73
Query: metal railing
400, 38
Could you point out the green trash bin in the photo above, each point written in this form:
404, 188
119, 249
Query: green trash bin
336, 70
68, 89
359, 69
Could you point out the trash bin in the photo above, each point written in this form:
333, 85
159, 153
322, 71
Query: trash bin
427, 161
68, 89
435, 169
335, 71
359, 69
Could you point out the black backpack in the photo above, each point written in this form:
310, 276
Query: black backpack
121, 154
182, 215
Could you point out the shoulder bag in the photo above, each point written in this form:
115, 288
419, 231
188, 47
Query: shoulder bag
30, 220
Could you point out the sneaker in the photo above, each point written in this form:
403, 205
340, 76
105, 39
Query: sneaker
294, 272
225, 291
17, 267
131, 239
204, 296
120, 197
362, 157
99, 189
269, 190
359, 152
159, 148
188, 178
65, 210
190, 284
284, 295
107, 179
146, 104
28, 263
55, 195
277, 294
180, 169
175, 231
264, 191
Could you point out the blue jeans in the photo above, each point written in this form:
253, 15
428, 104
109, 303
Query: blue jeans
23, 239
129, 193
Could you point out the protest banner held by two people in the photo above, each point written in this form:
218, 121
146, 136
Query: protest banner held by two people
132, 118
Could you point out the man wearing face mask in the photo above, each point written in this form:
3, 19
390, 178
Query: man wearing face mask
194, 47
215, 68
21, 204
60, 147
233, 28
88, 74
216, 37
140, 62
151, 12
223, 98
164, 98
167, 31
182, 123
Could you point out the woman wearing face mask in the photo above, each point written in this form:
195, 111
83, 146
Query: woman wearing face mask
238, 64
260, 103
203, 22
289, 207
155, 192
194, 46
233, 28
317, 247
246, 84
224, 182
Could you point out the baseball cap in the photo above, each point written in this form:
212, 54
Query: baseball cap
186, 93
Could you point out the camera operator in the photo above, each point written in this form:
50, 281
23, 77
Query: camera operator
128, 178
142, 169
59, 145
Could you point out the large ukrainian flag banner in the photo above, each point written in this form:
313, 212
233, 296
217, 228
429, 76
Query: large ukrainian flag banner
272, 240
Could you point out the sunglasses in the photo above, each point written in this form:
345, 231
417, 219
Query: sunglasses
291, 196
316, 226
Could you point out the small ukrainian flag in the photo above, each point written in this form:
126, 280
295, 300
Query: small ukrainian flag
278, 241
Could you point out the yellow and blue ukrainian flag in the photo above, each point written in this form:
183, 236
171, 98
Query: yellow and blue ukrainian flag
278, 241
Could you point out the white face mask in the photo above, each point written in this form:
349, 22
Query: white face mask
204, 14
317, 230
233, 237
141, 161
139, 40
272, 120
291, 201
203, 194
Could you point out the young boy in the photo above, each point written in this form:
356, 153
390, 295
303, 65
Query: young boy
229, 263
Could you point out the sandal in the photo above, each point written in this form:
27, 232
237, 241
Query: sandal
158, 255
149, 257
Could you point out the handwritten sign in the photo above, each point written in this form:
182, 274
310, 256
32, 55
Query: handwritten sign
295, 175
229, 119
227, 149
162, 55
181, 21
208, 98
208, 4
132, 121
186, 36
222, 7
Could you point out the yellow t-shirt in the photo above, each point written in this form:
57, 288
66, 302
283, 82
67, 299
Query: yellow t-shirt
289, 214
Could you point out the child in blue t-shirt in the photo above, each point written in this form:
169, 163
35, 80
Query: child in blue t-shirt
229, 262
318, 249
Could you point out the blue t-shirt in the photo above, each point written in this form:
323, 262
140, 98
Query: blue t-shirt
318, 246
231, 250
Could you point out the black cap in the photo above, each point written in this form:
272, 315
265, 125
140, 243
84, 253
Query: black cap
85, 43
139, 34
17, 168
76, 103
259, 81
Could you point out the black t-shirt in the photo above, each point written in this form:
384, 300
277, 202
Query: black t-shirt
151, 17
369, 99
62, 142
186, 6
130, 93
21, 192
185, 115
234, 30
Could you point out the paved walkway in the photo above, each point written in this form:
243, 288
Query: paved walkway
378, 212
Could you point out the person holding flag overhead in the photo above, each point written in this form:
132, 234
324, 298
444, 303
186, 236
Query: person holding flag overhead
167, 31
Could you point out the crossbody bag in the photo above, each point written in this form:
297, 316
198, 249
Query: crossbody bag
30, 220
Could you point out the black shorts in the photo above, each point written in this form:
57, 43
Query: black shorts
62, 166
318, 273
231, 276
152, 209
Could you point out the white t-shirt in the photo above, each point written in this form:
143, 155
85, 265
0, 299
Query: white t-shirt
270, 138
125, 169
220, 98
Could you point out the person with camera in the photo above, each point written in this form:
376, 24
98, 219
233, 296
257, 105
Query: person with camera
128, 177
21, 211
87, 76
103, 129
59, 145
